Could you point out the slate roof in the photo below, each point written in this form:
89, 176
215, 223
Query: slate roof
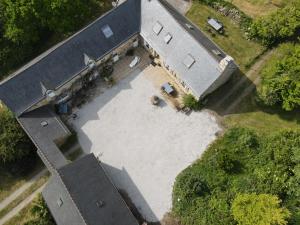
95, 198
186, 44
44, 137
66, 60
197, 34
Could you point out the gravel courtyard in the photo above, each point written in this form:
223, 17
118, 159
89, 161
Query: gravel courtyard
143, 147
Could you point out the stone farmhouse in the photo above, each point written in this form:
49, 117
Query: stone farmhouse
80, 192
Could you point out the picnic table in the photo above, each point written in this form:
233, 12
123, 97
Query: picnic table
168, 88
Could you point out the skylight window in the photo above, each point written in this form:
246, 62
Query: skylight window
107, 31
168, 38
157, 28
189, 61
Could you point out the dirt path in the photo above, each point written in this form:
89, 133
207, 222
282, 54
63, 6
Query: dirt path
18, 208
253, 75
23, 188
32, 180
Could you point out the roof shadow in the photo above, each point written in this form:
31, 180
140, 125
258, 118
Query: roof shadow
131, 194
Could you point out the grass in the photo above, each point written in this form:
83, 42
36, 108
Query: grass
256, 8
9, 182
24, 195
23, 216
260, 118
249, 113
233, 42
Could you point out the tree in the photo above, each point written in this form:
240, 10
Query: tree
281, 79
268, 163
14, 143
21, 25
261, 209
64, 16
277, 26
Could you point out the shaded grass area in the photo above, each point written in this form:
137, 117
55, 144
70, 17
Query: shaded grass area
233, 42
24, 195
261, 118
256, 8
14, 177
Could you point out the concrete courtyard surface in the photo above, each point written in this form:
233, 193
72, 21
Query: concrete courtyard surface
143, 147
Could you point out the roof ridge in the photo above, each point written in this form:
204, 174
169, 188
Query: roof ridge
57, 45
166, 4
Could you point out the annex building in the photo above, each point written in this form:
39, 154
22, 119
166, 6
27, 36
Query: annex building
196, 63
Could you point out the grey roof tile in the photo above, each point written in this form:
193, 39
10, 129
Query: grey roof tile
96, 198
66, 60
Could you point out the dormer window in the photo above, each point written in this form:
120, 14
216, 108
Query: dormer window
50, 94
157, 28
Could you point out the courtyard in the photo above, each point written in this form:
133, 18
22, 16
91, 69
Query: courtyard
143, 147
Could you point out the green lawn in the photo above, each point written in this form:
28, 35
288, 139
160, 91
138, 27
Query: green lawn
256, 8
233, 42
262, 119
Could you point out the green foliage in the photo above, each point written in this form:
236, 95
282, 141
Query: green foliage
281, 79
258, 164
25, 26
14, 143
20, 21
262, 209
64, 16
277, 26
40, 213
190, 102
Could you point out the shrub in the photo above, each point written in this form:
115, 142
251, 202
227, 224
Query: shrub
190, 102
281, 79
270, 166
40, 213
277, 26
249, 209
14, 143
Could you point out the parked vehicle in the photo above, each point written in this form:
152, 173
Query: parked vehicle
135, 61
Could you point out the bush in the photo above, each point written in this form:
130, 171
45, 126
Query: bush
40, 213
268, 165
277, 26
190, 102
281, 79
250, 209
14, 143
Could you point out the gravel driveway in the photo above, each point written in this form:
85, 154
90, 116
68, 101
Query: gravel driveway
142, 146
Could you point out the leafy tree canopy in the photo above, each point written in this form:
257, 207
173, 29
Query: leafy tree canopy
277, 26
14, 143
281, 78
269, 164
262, 209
